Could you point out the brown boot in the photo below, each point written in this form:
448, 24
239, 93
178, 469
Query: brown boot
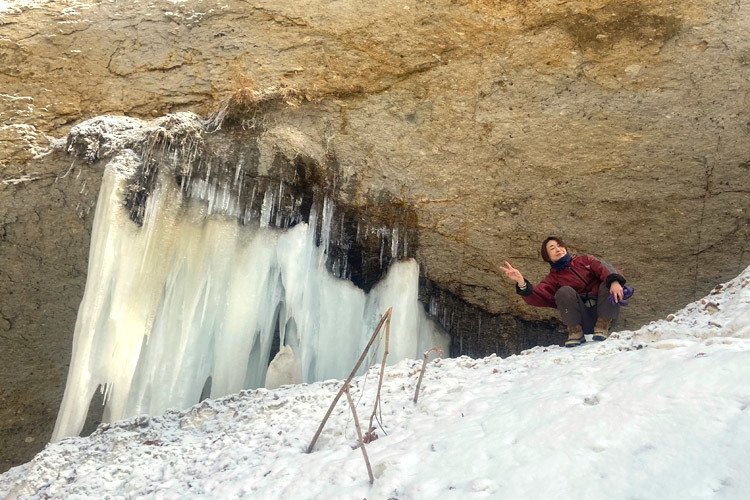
601, 328
575, 336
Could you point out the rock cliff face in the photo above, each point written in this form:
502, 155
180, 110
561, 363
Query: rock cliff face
622, 126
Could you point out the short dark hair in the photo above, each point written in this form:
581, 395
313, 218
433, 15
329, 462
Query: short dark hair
545, 255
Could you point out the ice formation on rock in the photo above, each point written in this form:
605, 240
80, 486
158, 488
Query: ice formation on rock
193, 293
284, 369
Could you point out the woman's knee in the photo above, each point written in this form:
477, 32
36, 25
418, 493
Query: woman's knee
566, 293
566, 300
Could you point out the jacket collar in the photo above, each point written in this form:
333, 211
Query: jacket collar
562, 262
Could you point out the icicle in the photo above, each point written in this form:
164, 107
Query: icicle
252, 199
106, 390
313, 222
266, 209
394, 243
382, 248
325, 229
211, 197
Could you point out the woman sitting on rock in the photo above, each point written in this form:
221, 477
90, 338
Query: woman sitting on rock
574, 287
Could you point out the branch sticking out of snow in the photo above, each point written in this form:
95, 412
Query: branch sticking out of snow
424, 366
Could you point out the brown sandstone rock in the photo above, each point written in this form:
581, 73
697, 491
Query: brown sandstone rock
622, 126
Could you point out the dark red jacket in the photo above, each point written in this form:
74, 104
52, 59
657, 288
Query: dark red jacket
585, 274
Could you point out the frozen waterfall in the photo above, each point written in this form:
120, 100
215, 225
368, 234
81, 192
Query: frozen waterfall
192, 294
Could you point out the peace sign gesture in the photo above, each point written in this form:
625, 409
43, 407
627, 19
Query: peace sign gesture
513, 273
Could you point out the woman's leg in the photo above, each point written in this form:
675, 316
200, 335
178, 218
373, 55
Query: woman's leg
571, 310
606, 313
570, 306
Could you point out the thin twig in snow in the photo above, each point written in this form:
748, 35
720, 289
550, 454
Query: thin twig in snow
359, 433
424, 366
370, 433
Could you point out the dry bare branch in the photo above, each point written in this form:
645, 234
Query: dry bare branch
359, 433
386, 317
370, 430
424, 366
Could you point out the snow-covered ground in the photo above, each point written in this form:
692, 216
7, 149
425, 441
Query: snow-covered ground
658, 413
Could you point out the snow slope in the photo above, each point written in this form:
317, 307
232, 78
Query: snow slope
658, 413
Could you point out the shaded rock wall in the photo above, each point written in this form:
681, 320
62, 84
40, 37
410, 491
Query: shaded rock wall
622, 126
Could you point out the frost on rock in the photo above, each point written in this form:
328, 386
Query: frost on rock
28, 142
189, 295
103, 136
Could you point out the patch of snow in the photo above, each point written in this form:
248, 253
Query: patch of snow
18, 6
722, 313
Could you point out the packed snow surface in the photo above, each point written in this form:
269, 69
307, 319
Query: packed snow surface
658, 413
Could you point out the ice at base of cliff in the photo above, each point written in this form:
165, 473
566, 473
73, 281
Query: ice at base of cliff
191, 296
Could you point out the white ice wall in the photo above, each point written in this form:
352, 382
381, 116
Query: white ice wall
193, 294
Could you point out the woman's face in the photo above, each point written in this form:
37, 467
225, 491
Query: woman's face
555, 251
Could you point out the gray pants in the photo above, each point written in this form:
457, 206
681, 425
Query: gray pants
574, 311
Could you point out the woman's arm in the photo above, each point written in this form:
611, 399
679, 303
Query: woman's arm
609, 276
541, 295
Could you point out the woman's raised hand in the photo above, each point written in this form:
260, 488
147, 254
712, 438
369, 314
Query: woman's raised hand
513, 273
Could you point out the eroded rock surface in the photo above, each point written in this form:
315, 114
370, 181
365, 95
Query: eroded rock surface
623, 127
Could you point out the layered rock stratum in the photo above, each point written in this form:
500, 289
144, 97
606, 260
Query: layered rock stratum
622, 126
